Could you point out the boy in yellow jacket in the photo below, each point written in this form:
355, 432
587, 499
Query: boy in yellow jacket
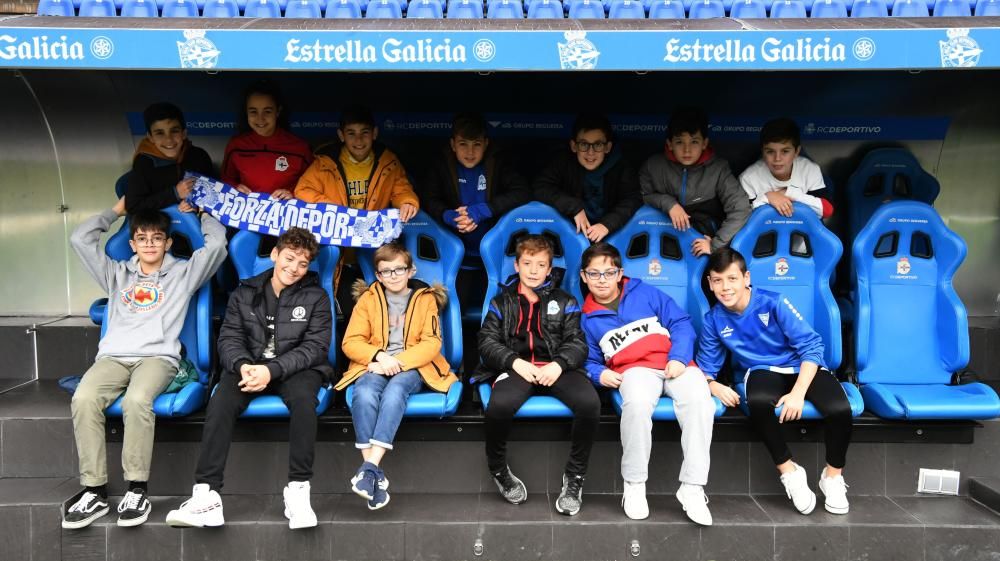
393, 341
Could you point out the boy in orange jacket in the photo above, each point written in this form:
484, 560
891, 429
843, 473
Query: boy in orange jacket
393, 341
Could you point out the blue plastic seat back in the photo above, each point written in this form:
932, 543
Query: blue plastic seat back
586, 9
384, 9
63, 8
497, 246
788, 9
303, 9
221, 9
437, 255
795, 257
343, 9
666, 9
545, 9
829, 9
748, 9
657, 254
180, 9
952, 8
911, 327
706, 9
97, 9
627, 9
425, 9
988, 8
910, 9
869, 9
505, 9
136, 9
465, 9
886, 174
262, 9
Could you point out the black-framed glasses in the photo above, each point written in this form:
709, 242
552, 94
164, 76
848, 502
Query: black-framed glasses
609, 274
154, 241
584, 146
393, 272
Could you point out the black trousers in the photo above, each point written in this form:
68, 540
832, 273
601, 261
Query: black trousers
572, 388
298, 391
765, 388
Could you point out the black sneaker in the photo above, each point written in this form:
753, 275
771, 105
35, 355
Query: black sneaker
511, 488
134, 508
571, 498
82, 509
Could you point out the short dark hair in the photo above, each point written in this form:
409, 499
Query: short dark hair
148, 221
160, 111
271, 89
780, 130
469, 126
356, 115
601, 249
593, 122
691, 120
533, 243
722, 258
298, 239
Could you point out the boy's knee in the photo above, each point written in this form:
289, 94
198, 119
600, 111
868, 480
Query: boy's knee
302, 404
588, 407
133, 404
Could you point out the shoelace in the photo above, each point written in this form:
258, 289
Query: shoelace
81, 505
574, 486
130, 502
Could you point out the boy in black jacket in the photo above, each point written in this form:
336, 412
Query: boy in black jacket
594, 186
275, 339
531, 343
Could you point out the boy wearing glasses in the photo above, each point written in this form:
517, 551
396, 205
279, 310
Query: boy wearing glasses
393, 341
148, 298
642, 343
592, 185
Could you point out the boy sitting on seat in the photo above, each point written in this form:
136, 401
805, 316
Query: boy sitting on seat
274, 339
393, 341
148, 298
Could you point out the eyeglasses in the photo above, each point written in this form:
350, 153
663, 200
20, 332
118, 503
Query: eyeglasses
609, 274
398, 271
153, 241
584, 146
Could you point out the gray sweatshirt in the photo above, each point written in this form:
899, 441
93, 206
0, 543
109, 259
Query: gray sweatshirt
145, 313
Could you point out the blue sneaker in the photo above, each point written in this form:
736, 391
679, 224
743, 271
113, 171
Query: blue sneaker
365, 480
381, 497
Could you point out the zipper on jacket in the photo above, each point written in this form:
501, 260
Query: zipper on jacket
684, 186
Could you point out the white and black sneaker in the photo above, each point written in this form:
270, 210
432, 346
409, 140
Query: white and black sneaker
83, 509
571, 498
511, 488
134, 508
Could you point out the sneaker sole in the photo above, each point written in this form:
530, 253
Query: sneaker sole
86, 521
134, 521
566, 512
835, 510
811, 507
174, 522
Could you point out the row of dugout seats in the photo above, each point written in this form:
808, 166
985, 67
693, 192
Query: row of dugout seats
514, 9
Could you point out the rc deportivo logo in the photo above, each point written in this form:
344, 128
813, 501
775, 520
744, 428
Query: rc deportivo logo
960, 50
577, 53
197, 51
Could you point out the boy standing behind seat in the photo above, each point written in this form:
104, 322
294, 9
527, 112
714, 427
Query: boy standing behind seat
275, 338
148, 298
692, 186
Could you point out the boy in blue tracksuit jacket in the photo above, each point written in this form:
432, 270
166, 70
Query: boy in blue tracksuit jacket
641, 342
782, 357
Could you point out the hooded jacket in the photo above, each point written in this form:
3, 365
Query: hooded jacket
323, 181
152, 184
367, 333
505, 188
707, 191
303, 327
145, 313
560, 324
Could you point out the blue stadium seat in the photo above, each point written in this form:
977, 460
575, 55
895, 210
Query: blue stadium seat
655, 253
910, 9
221, 9
138, 9
707, 9
196, 334
952, 8
425, 9
63, 8
748, 9
795, 257
303, 9
465, 9
988, 8
586, 9
97, 9
262, 9
911, 328
666, 9
829, 9
788, 9
537, 406
869, 9
384, 9
627, 9
343, 9
545, 9
180, 9
243, 249
505, 9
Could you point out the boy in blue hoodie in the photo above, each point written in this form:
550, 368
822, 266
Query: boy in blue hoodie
783, 359
641, 342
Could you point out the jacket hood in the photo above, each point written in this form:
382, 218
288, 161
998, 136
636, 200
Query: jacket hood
437, 290
590, 305
554, 280
706, 156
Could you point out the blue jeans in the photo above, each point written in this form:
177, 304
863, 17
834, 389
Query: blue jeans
379, 403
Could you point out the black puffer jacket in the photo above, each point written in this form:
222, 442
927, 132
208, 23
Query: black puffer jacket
561, 185
302, 327
505, 188
561, 332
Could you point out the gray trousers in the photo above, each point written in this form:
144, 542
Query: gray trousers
641, 389
142, 382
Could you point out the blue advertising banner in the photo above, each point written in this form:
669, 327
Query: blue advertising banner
498, 50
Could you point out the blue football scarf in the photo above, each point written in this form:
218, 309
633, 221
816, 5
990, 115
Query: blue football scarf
257, 212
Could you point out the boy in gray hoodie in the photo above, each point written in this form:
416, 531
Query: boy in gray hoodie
148, 298
692, 186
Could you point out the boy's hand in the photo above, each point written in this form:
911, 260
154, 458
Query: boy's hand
780, 201
526, 370
679, 217
245, 371
597, 232
582, 224
610, 378
184, 206
119, 207
674, 369
375, 368
407, 211
390, 365
793, 403
282, 195
184, 188
702, 246
258, 377
726, 395
548, 374
244, 189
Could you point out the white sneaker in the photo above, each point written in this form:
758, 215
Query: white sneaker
298, 511
634, 501
834, 491
797, 489
695, 503
203, 509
